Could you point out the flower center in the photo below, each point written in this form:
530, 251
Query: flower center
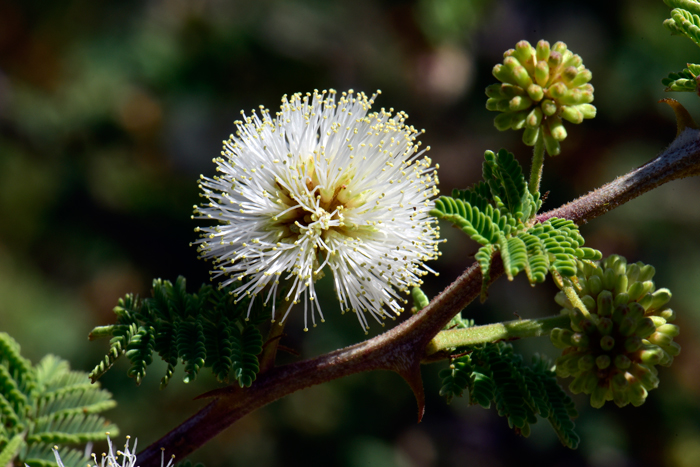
315, 209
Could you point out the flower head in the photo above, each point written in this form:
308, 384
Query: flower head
110, 458
540, 87
323, 185
612, 354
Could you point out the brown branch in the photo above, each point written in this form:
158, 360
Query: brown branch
402, 348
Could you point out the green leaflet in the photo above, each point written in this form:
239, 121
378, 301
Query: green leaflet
45, 405
498, 213
683, 81
684, 22
553, 245
493, 374
203, 329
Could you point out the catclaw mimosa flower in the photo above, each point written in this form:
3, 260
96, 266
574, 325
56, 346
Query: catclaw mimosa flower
323, 185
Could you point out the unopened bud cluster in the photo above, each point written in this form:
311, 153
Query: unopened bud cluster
540, 87
613, 352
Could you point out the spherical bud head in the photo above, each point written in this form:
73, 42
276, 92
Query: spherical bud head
551, 80
625, 343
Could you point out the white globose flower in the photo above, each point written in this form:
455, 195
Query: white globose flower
111, 458
322, 185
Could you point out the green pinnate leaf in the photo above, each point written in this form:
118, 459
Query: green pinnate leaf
493, 375
456, 379
245, 362
58, 406
201, 329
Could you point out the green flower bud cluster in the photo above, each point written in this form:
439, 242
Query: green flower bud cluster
612, 352
539, 88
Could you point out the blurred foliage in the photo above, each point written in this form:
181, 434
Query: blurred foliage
109, 111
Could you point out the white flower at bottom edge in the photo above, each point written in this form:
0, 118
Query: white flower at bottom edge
322, 185
109, 459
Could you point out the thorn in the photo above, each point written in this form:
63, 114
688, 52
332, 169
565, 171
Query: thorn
683, 118
410, 372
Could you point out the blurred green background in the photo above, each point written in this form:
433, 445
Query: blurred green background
109, 111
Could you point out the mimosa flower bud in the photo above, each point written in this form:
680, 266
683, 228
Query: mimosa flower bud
626, 332
551, 80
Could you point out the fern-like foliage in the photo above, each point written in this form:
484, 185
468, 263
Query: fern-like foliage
46, 405
498, 213
203, 329
683, 81
685, 19
493, 374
